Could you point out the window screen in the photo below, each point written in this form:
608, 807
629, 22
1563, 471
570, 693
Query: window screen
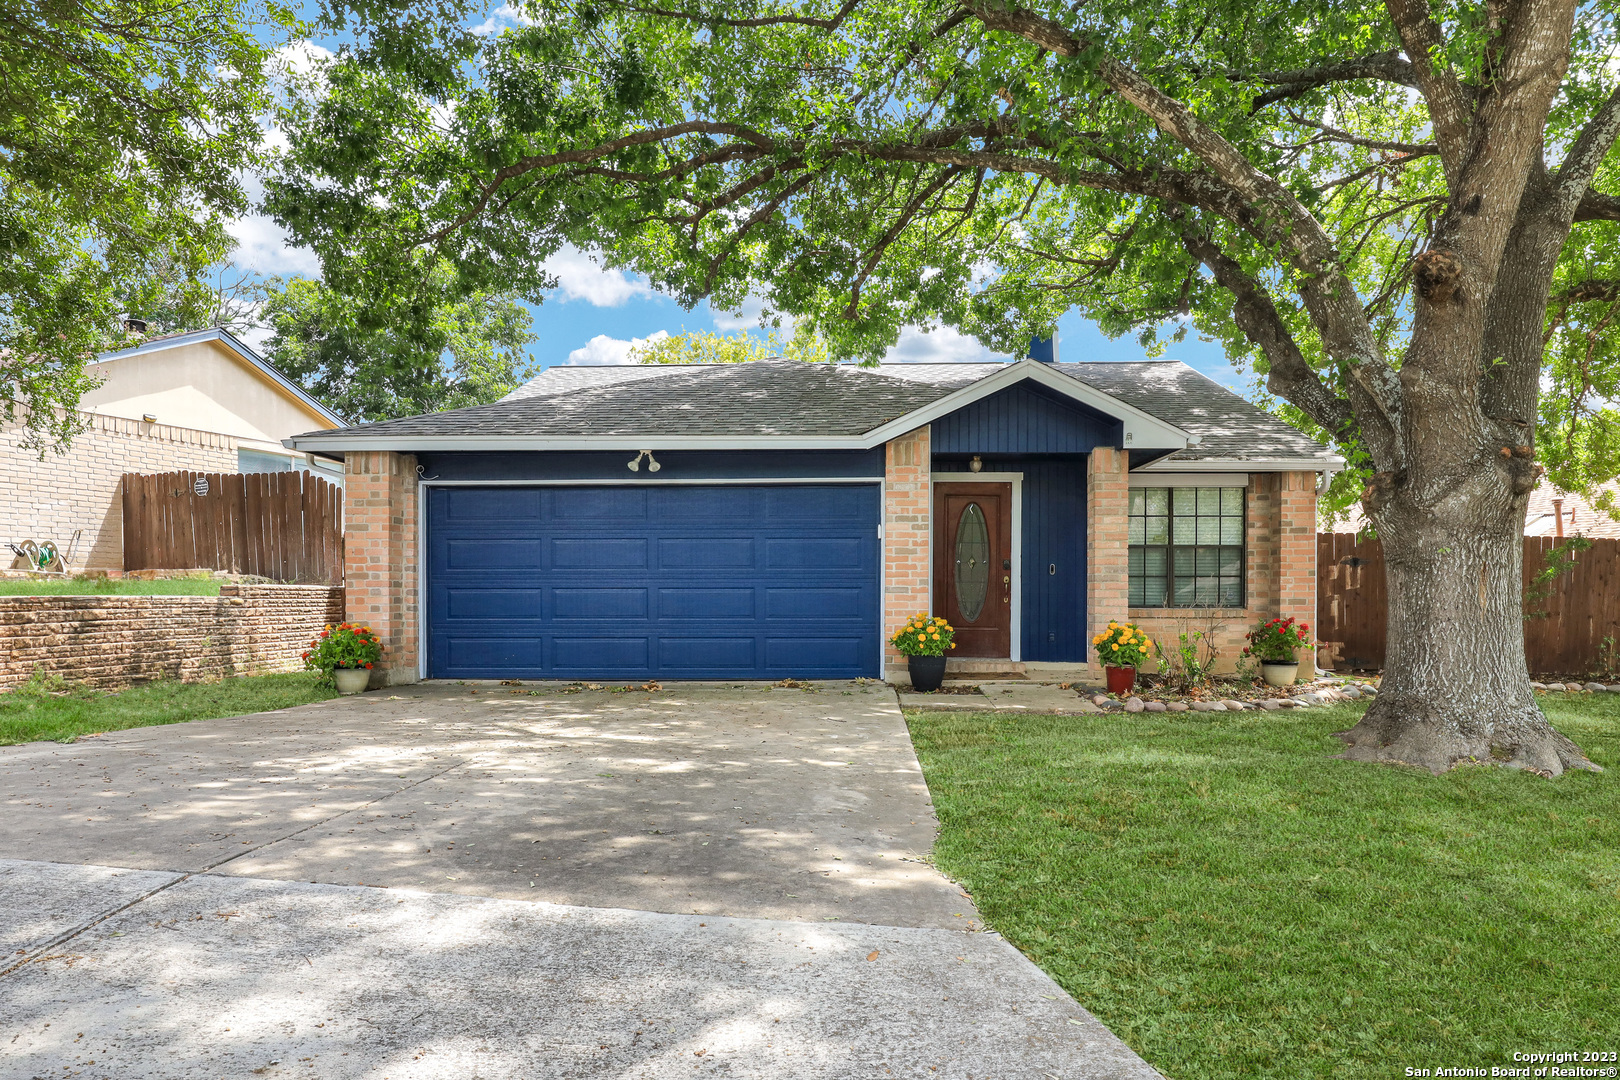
1186, 547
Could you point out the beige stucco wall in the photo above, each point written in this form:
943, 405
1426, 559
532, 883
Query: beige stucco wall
205, 386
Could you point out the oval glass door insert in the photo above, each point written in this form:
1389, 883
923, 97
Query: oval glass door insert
972, 562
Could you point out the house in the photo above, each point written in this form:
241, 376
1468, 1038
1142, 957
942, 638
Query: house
1551, 512
200, 401
777, 518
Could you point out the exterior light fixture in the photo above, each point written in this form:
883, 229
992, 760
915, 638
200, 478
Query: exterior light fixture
976, 464
148, 418
634, 464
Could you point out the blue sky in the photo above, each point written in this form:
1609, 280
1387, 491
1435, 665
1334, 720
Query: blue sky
594, 315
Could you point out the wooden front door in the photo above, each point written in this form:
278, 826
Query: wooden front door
973, 566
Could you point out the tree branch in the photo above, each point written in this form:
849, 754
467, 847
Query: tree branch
1448, 101
1258, 318
768, 20
1596, 206
1591, 145
1605, 289
1385, 66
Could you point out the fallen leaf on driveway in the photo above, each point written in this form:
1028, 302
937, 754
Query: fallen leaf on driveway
873, 955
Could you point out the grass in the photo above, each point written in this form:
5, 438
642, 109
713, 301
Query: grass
1233, 902
108, 587
48, 709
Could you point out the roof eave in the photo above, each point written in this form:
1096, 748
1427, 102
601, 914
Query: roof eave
318, 442
1299, 464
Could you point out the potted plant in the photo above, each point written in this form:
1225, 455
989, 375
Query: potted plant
1121, 649
1275, 644
924, 641
345, 654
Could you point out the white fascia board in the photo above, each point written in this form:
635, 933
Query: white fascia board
1143, 431
324, 443
1164, 465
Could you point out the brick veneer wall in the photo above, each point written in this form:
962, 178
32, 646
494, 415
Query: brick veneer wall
380, 557
1280, 560
113, 641
907, 535
47, 499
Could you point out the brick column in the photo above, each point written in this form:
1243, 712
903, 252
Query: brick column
1107, 543
907, 536
380, 557
1296, 547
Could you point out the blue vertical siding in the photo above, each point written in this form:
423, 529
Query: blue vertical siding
1024, 419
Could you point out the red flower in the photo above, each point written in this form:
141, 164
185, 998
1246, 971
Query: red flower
325, 634
368, 665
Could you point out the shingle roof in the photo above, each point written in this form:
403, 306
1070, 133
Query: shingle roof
788, 398
1231, 429
764, 397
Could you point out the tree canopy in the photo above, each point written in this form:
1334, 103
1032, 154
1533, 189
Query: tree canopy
705, 347
451, 351
125, 127
1372, 201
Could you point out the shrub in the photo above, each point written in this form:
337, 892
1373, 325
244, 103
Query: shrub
1122, 645
924, 635
347, 645
1278, 641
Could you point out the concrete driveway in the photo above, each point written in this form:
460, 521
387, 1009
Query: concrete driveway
490, 881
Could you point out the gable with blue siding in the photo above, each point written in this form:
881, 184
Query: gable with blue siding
1024, 419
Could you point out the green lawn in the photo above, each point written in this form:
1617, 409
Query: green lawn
106, 587
1234, 902
35, 712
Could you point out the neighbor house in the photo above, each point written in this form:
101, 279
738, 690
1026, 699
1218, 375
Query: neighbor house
780, 519
201, 401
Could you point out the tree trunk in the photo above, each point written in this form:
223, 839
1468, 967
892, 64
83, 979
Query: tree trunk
1455, 687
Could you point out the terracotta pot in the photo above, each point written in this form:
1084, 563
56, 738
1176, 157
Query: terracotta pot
351, 680
1279, 672
927, 672
1120, 679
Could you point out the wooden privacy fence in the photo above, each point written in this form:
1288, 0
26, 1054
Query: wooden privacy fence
287, 525
1566, 634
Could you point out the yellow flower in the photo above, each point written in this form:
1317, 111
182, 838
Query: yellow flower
1147, 644
1112, 625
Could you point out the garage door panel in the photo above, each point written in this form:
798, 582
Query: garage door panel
486, 604
484, 554
841, 504
677, 604
495, 654
706, 553
812, 603
491, 504
812, 653
811, 553
599, 553
735, 654
754, 581
594, 654
623, 504
599, 603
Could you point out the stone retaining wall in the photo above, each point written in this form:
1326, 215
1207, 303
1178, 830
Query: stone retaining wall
113, 641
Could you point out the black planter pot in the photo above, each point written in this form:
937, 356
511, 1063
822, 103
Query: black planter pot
927, 672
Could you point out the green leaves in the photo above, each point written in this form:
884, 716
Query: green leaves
124, 129
448, 349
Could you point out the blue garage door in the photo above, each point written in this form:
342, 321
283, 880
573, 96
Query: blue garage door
674, 582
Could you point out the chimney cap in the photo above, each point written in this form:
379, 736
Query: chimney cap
133, 325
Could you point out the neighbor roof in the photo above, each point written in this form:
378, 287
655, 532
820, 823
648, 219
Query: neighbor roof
767, 402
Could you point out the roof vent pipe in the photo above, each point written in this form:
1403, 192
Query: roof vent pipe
1043, 349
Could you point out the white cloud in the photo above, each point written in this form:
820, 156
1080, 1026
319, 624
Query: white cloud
942, 345
502, 18
602, 349
579, 277
298, 58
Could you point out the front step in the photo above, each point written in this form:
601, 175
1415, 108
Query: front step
968, 665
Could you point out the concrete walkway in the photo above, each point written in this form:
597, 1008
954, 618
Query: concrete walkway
499, 882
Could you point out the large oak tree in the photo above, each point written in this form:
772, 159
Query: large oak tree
1371, 200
